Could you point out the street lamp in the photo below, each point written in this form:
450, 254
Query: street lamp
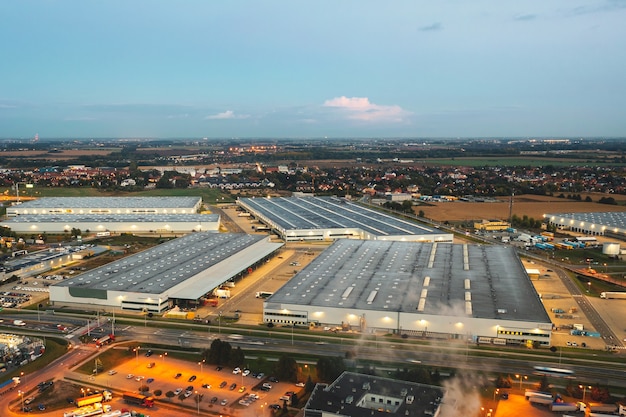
496, 392
21, 395
163, 355
589, 283
521, 378
584, 388
201, 363
198, 401
137, 354
17, 189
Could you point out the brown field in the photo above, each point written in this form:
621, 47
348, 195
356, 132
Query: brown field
60, 155
523, 205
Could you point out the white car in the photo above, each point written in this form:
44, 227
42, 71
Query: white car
224, 401
246, 372
139, 377
178, 391
130, 376
112, 372
237, 371
300, 384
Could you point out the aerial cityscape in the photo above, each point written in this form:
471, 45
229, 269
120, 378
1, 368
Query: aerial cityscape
313, 209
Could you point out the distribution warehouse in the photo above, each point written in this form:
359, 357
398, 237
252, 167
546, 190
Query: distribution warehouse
327, 218
419, 289
178, 272
600, 223
112, 214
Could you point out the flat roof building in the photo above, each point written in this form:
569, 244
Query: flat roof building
595, 223
356, 395
108, 205
328, 218
111, 214
418, 289
177, 272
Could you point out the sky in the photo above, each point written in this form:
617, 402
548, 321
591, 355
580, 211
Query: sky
303, 69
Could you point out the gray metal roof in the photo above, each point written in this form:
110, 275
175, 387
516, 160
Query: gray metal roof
176, 262
111, 202
612, 220
431, 278
332, 213
111, 218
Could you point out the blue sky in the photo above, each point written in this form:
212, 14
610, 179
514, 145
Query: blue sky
204, 68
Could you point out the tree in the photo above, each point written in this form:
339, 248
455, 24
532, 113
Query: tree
170, 395
329, 368
544, 385
286, 368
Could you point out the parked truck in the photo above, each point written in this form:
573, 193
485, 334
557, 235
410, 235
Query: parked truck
613, 294
531, 392
533, 399
87, 411
95, 398
579, 406
138, 399
614, 409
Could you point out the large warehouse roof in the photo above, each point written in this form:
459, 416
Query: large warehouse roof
487, 282
197, 261
594, 222
111, 202
111, 218
330, 213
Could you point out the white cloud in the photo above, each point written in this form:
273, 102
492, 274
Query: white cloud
360, 108
228, 114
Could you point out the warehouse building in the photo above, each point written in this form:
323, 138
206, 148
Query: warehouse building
329, 218
356, 395
108, 205
597, 224
111, 214
113, 223
176, 273
433, 290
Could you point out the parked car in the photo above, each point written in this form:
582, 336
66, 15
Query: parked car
224, 401
178, 391
192, 378
178, 375
233, 386
223, 384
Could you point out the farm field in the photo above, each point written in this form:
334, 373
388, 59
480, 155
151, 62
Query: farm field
534, 206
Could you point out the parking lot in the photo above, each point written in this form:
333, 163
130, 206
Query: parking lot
220, 390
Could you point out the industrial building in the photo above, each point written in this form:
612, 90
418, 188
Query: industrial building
597, 224
111, 214
176, 273
468, 292
329, 218
356, 395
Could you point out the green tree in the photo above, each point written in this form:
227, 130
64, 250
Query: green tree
286, 368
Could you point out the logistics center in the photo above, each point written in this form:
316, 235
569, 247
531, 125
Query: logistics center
175, 273
469, 292
327, 218
111, 214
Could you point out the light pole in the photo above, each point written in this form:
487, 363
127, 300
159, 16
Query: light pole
198, 401
17, 189
495, 392
163, 355
521, 378
137, 354
584, 388
219, 323
21, 395
201, 363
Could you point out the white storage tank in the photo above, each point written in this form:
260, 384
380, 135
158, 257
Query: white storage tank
611, 248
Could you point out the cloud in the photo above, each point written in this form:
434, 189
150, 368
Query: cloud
434, 26
524, 17
228, 114
360, 108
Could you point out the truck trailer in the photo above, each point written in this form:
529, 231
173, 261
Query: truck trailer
95, 398
603, 408
138, 399
620, 410
540, 400
613, 295
579, 406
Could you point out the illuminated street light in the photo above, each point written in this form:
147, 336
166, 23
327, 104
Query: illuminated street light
584, 388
